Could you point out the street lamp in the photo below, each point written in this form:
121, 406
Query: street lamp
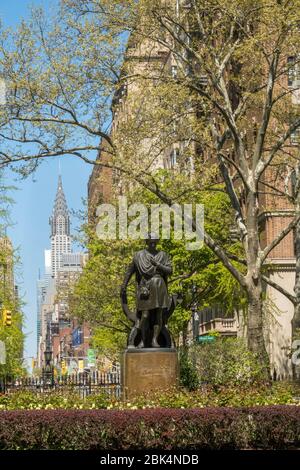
48, 369
195, 320
195, 314
48, 357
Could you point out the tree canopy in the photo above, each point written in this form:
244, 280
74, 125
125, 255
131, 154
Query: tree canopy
11, 336
197, 275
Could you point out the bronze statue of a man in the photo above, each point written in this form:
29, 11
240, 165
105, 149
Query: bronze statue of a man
152, 268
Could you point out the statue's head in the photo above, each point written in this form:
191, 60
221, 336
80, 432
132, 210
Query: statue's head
152, 240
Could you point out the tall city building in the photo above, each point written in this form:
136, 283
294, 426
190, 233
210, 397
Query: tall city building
67, 275
62, 269
60, 229
42, 285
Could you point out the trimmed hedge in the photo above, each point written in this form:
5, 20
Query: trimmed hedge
270, 427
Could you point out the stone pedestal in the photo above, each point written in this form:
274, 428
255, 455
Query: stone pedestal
145, 370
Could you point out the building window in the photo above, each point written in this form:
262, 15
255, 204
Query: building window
174, 71
174, 157
293, 72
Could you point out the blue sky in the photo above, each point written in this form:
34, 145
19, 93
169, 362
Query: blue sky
34, 200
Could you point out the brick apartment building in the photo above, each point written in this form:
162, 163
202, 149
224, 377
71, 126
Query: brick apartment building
275, 214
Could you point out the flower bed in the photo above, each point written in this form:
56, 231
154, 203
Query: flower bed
277, 394
271, 427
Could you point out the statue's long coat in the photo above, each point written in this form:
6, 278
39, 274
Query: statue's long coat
154, 277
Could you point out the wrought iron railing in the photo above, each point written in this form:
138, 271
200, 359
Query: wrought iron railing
84, 384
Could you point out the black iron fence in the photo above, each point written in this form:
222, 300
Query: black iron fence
84, 384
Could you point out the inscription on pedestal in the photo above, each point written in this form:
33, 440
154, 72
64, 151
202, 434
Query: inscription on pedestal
146, 371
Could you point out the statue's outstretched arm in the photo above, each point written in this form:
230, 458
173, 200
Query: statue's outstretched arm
129, 314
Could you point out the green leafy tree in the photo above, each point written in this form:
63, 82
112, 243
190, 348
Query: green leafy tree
12, 336
197, 275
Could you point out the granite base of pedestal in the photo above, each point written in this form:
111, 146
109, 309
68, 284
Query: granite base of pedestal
146, 370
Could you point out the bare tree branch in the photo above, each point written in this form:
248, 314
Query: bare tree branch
263, 255
280, 289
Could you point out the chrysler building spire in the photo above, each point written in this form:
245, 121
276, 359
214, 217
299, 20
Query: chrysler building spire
60, 229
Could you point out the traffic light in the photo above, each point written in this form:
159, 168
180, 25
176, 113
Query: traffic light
7, 317
63, 367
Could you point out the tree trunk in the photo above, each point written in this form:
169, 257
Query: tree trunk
184, 336
255, 324
296, 317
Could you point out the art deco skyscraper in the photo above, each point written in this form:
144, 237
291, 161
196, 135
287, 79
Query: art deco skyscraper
60, 229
